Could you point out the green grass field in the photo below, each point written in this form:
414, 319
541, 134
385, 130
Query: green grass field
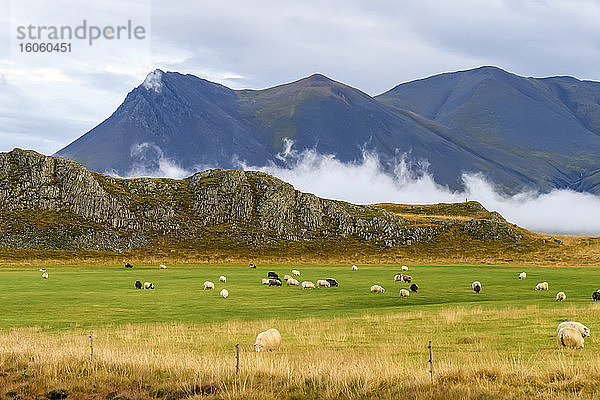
337, 342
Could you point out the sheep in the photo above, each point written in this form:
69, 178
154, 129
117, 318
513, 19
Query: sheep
45, 275
476, 286
162, 266
406, 278
404, 293
560, 296
148, 285
224, 293
275, 282
414, 288
208, 285
42, 269
398, 278
292, 282
522, 275
404, 268
295, 272
354, 268
377, 289
569, 337
251, 266
265, 281
272, 275
222, 278
323, 283
269, 340
579, 327
138, 284
308, 285
596, 295
286, 277
332, 282
541, 286
127, 265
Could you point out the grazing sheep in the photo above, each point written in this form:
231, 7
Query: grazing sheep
272, 275
208, 285
332, 282
323, 283
406, 278
404, 293
42, 269
148, 285
295, 272
127, 265
45, 275
541, 286
275, 282
162, 266
404, 268
286, 277
354, 268
224, 293
222, 278
138, 284
578, 326
308, 285
476, 286
414, 288
292, 282
269, 340
398, 277
522, 275
265, 281
377, 289
569, 337
251, 265
560, 296
596, 295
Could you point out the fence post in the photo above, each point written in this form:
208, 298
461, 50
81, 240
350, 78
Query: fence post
237, 358
431, 361
91, 346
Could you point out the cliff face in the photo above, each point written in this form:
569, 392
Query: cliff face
53, 203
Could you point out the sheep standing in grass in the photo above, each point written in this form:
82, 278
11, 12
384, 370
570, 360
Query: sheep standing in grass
354, 268
42, 269
308, 285
522, 275
162, 266
377, 289
406, 278
404, 268
45, 275
541, 286
476, 286
323, 283
414, 288
275, 282
224, 293
269, 340
138, 284
569, 337
295, 272
292, 282
286, 277
398, 277
578, 326
251, 266
265, 281
404, 293
148, 285
222, 278
208, 285
560, 296
596, 295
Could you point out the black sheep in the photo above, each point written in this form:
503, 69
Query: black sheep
414, 288
138, 284
251, 265
275, 282
406, 278
332, 282
272, 275
127, 265
596, 295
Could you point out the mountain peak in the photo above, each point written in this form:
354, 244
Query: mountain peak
154, 81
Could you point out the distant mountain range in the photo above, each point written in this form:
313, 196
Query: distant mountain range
534, 133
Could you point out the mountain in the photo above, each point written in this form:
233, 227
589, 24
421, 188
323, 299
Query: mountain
519, 132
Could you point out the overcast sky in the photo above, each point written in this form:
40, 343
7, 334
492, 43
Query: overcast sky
46, 100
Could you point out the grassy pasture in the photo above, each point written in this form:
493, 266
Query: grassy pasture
177, 341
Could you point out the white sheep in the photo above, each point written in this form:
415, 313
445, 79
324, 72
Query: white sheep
224, 293
476, 286
222, 278
323, 283
404, 268
578, 326
292, 282
286, 277
269, 340
522, 275
45, 275
148, 285
377, 289
295, 272
42, 269
308, 285
404, 293
209, 285
265, 281
354, 268
541, 286
162, 266
569, 337
560, 296
398, 278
